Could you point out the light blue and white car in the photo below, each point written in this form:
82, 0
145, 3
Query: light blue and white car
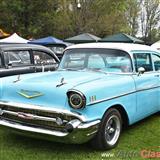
97, 90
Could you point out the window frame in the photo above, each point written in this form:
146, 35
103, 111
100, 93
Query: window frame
151, 61
6, 59
158, 55
49, 54
120, 50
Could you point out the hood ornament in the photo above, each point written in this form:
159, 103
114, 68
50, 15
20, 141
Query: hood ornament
18, 79
61, 83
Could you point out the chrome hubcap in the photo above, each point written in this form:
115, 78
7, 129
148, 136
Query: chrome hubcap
112, 130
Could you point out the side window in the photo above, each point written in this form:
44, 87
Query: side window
96, 61
156, 61
18, 58
41, 57
57, 50
143, 60
76, 61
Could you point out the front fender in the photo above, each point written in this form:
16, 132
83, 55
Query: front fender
108, 92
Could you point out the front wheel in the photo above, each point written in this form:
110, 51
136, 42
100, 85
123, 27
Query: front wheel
109, 130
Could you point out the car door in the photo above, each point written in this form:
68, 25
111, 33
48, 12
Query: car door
44, 61
17, 62
146, 85
156, 63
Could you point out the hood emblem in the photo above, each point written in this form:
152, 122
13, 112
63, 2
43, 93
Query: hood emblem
92, 98
61, 83
29, 94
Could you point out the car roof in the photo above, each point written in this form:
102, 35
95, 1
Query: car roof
23, 46
128, 47
6, 46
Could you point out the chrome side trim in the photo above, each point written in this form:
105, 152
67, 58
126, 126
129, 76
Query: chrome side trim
121, 95
42, 108
110, 98
31, 129
149, 88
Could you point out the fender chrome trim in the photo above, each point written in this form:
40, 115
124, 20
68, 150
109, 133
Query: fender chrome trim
121, 95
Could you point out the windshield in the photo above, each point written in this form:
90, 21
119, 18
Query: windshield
108, 60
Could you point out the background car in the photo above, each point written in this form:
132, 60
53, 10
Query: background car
26, 58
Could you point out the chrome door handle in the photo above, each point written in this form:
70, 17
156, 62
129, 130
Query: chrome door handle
157, 75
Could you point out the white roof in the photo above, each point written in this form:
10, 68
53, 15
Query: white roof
156, 45
121, 46
14, 38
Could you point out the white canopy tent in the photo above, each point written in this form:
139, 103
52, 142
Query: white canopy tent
14, 38
156, 45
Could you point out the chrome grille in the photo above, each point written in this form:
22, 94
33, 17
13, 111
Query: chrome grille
34, 117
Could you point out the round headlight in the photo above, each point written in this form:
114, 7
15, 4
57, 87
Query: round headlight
76, 100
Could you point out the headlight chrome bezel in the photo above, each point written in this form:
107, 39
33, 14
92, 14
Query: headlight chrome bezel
77, 94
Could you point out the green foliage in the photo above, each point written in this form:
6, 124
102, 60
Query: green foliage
62, 18
150, 17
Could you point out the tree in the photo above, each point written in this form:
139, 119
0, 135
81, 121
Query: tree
132, 15
28, 17
149, 18
62, 18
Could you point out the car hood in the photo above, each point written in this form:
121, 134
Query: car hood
51, 87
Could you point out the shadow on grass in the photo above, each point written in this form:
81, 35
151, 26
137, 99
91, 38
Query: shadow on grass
50, 146
43, 144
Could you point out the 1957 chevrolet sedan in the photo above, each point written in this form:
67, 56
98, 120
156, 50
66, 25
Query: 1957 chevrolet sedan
97, 90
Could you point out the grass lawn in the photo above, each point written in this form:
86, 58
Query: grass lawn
142, 135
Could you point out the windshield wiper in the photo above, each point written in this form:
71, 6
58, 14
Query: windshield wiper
85, 69
69, 69
96, 70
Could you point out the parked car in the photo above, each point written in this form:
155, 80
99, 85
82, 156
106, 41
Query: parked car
26, 58
58, 48
98, 89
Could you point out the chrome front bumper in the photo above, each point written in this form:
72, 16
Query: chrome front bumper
77, 130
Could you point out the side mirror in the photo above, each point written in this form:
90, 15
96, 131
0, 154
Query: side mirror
141, 70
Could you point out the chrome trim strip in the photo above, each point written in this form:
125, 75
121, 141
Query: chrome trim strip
121, 95
31, 129
33, 117
149, 88
42, 108
110, 98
